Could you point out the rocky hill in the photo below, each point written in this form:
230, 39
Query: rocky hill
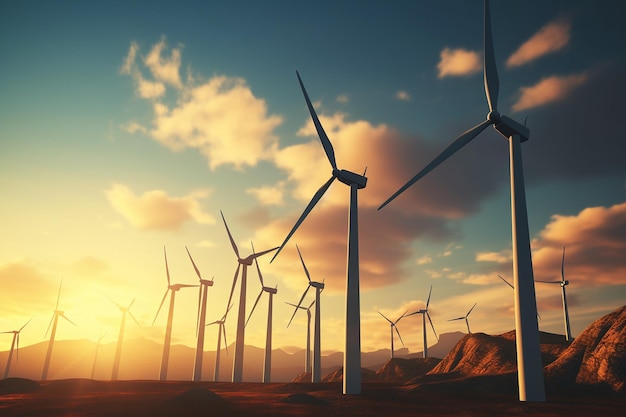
402, 370
597, 356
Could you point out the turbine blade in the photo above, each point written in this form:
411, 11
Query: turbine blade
17, 349
22, 328
399, 335
226, 314
167, 269
194, 264
134, 319
311, 305
492, 83
232, 289
401, 317
461, 141
429, 293
458, 318
385, 317
131, 304
59, 295
225, 341
198, 311
468, 313
160, 305
432, 325
318, 195
328, 147
256, 262
306, 271
563, 266
49, 324
298, 306
254, 306
548, 282
63, 315
506, 282
232, 241
258, 254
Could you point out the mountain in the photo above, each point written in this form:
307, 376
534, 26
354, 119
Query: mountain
483, 354
402, 370
597, 355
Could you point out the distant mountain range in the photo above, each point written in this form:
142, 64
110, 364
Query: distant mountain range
141, 359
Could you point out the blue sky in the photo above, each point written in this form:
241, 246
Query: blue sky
127, 127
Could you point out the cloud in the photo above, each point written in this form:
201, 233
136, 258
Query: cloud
164, 69
551, 38
501, 257
89, 266
402, 96
220, 117
134, 127
26, 288
342, 98
458, 62
548, 90
269, 195
424, 260
155, 210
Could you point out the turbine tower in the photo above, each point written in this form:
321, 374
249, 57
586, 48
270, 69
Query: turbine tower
563, 282
307, 356
392, 326
529, 366
172, 289
267, 367
424, 313
466, 316
53, 322
316, 375
201, 320
241, 319
98, 347
221, 330
352, 349
120, 337
16, 338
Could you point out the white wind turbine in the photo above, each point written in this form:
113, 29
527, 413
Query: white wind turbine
424, 313
316, 375
513, 288
267, 366
201, 320
221, 330
97, 349
563, 283
530, 369
120, 337
16, 338
466, 316
53, 322
241, 319
392, 326
307, 356
352, 349
172, 289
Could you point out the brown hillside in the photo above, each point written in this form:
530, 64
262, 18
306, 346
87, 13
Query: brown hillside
337, 375
482, 354
402, 370
597, 356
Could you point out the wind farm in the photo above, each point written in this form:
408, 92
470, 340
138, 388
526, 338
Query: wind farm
118, 144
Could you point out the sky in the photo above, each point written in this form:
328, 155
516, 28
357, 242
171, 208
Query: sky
125, 127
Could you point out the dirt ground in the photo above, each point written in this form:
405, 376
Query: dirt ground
81, 397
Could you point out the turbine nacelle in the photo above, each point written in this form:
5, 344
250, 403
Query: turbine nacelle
177, 287
564, 283
319, 285
508, 127
270, 290
350, 178
206, 282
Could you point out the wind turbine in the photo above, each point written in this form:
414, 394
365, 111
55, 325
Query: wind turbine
307, 357
172, 289
200, 321
16, 338
466, 316
120, 337
221, 330
241, 320
424, 313
316, 374
352, 349
95, 356
530, 368
563, 282
513, 288
53, 322
267, 367
392, 326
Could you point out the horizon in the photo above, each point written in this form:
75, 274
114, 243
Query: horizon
118, 143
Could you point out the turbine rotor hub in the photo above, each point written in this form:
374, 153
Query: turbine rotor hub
493, 117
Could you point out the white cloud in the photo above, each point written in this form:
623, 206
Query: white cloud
342, 98
155, 210
424, 260
550, 38
458, 62
496, 257
164, 69
134, 127
548, 90
269, 195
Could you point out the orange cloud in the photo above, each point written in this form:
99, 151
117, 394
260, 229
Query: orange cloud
164, 69
269, 195
550, 38
458, 62
155, 210
402, 96
548, 90
497, 257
